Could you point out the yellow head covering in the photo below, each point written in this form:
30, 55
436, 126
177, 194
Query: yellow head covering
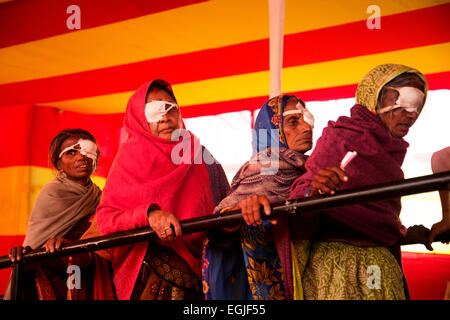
370, 86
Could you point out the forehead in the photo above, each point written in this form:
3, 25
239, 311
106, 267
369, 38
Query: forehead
291, 106
162, 95
69, 142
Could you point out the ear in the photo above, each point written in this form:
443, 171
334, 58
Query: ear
58, 165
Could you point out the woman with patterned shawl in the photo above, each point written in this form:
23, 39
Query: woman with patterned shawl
160, 176
254, 262
356, 250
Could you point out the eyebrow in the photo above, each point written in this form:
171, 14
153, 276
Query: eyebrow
293, 116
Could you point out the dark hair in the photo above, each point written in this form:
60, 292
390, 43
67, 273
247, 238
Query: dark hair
291, 98
162, 86
407, 78
58, 140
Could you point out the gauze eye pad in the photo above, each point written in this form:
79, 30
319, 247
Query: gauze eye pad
86, 147
409, 98
155, 110
307, 116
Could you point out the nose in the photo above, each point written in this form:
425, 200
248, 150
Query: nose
81, 156
164, 118
306, 128
412, 115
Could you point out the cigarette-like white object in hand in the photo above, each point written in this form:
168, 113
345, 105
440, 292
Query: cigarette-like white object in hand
347, 158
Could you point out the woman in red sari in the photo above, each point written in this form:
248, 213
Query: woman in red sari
160, 176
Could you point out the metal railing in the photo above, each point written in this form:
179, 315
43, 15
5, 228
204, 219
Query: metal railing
440, 181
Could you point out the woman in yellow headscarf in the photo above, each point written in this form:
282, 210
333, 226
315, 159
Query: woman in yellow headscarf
356, 251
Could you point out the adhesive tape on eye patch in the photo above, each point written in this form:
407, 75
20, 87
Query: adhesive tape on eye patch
155, 110
307, 116
409, 98
87, 148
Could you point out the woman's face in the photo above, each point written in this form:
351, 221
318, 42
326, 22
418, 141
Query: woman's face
76, 166
397, 121
170, 121
298, 133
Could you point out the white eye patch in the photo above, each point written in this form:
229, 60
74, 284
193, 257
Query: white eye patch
86, 147
155, 110
307, 116
409, 98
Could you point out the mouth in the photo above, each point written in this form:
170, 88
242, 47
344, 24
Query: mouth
404, 126
166, 131
305, 140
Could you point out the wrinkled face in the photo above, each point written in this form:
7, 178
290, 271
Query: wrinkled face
170, 121
297, 132
76, 166
397, 121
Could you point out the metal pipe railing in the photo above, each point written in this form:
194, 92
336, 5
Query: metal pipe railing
440, 181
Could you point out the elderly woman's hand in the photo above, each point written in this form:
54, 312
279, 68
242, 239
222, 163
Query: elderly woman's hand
417, 234
437, 229
15, 254
327, 181
54, 244
251, 209
164, 224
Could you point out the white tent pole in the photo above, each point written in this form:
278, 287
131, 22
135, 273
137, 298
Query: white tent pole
276, 23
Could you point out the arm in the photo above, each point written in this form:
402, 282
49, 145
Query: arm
439, 163
111, 220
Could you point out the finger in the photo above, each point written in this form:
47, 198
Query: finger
432, 235
331, 181
59, 243
247, 218
256, 210
266, 204
162, 235
428, 246
320, 188
50, 246
168, 231
323, 179
329, 175
12, 254
339, 173
249, 211
19, 253
176, 226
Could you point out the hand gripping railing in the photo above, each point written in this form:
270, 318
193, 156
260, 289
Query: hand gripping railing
440, 181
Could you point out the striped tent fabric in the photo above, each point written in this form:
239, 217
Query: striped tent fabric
74, 64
